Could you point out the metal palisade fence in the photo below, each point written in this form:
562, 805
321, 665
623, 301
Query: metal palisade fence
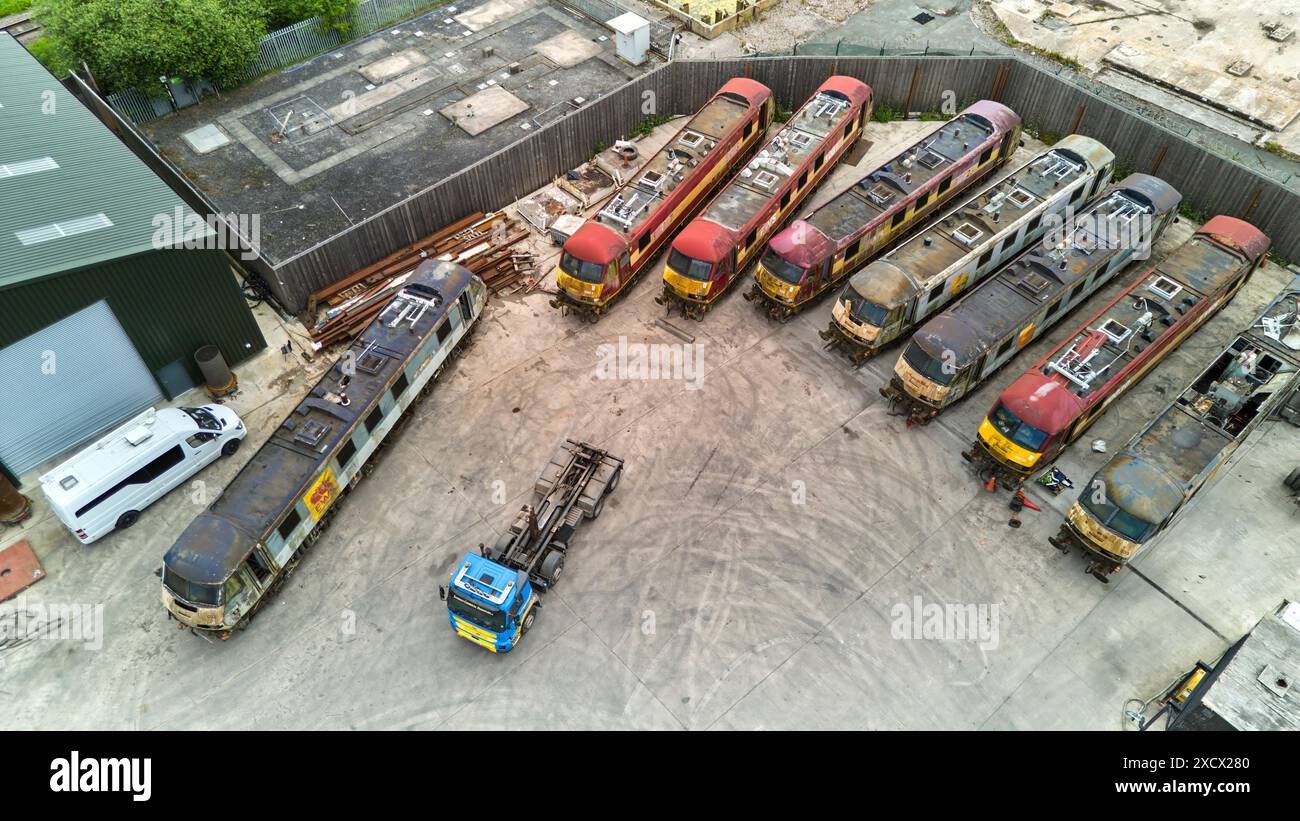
284, 47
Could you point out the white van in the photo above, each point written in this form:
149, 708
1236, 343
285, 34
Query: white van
106, 485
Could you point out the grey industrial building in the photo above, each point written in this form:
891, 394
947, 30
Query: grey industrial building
99, 319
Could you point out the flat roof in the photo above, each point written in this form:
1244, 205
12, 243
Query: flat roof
71, 194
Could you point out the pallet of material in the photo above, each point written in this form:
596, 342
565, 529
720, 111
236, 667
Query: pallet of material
483, 243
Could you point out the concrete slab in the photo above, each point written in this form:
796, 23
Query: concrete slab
479, 112
1271, 107
205, 138
381, 71
759, 565
493, 11
568, 49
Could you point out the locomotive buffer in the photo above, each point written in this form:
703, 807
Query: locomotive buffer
493, 596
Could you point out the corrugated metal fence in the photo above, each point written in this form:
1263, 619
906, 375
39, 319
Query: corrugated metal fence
1209, 183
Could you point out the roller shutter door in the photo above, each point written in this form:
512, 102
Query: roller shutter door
68, 383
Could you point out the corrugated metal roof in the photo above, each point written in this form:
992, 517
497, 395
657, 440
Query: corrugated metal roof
92, 173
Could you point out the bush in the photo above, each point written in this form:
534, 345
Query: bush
134, 42
8, 7
336, 13
51, 56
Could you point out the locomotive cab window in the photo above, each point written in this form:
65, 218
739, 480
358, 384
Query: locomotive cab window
643, 243
898, 218
821, 159
687, 267
852, 250
928, 366
442, 331
749, 128
803, 180
374, 418
346, 453
781, 268
578, 269
945, 185
922, 200
984, 157
1022, 433
785, 199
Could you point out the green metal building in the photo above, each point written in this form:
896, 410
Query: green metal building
101, 308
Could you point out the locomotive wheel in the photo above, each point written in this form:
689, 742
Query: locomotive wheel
1293, 480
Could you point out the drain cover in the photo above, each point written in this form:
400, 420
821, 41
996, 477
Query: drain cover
923, 18
19, 568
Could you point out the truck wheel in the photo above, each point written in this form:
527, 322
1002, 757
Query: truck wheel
1293, 480
613, 482
528, 620
127, 519
597, 508
553, 566
230, 448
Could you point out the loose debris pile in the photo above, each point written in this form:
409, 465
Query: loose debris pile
483, 243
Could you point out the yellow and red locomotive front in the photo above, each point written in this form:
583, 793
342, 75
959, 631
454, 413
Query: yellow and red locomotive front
1029, 421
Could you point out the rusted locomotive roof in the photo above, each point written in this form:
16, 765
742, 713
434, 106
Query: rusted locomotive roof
1238, 234
602, 238
862, 205
1006, 300
1104, 350
279, 473
1201, 428
774, 168
980, 223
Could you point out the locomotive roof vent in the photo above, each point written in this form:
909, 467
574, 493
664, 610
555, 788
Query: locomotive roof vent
880, 193
931, 159
652, 180
829, 106
1020, 198
692, 139
313, 432
967, 233
1115, 330
765, 179
1033, 283
801, 139
1165, 287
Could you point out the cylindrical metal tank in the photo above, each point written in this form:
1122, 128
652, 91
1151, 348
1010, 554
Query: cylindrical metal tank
216, 373
14, 507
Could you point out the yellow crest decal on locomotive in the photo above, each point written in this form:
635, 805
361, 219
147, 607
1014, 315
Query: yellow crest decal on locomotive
322, 494
1026, 334
959, 282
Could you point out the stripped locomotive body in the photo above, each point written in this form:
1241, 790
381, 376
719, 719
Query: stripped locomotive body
1139, 493
1053, 403
956, 351
238, 552
816, 253
892, 295
608, 252
718, 246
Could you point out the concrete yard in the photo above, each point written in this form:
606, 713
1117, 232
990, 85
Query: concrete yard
320, 145
773, 533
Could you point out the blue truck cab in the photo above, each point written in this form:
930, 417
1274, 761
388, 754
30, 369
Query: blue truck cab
490, 604
494, 594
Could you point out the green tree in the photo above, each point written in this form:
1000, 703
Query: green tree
134, 42
336, 13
